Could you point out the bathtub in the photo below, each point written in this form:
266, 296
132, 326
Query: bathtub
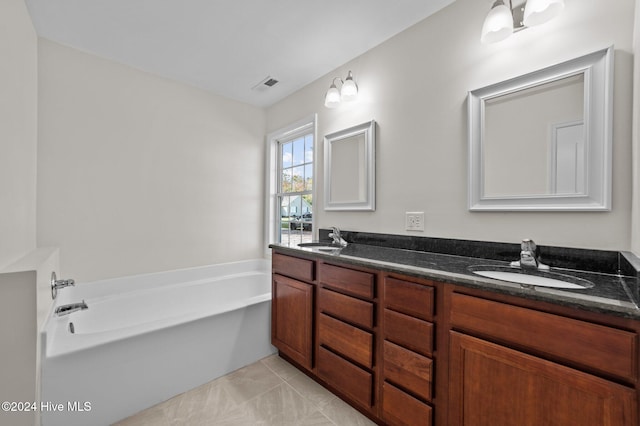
146, 338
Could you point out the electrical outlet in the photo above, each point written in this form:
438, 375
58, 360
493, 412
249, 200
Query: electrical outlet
414, 221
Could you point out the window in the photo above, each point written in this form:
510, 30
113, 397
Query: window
295, 192
291, 184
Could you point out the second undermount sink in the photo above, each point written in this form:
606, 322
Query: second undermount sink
534, 277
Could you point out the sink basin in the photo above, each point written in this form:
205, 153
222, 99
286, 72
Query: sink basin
531, 278
321, 246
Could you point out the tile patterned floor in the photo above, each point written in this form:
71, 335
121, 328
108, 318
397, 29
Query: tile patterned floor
268, 392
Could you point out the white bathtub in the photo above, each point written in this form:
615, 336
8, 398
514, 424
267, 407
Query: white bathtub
146, 338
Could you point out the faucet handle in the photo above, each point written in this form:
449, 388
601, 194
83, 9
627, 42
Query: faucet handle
528, 245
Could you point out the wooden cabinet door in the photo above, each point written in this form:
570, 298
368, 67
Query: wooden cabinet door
292, 319
494, 385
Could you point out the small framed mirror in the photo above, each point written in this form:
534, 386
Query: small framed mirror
542, 141
349, 168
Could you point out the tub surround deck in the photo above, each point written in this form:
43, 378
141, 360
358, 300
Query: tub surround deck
616, 275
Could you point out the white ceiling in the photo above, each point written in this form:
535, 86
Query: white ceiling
229, 46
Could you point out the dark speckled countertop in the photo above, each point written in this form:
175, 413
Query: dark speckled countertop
615, 274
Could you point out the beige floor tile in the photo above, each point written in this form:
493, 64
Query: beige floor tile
249, 382
254, 395
281, 367
342, 414
279, 406
185, 407
153, 416
200, 406
316, 419
311, 390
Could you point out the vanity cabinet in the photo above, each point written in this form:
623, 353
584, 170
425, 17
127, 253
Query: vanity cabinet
406, 350
292, 308
514, 365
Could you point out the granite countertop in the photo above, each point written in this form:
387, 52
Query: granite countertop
613, 293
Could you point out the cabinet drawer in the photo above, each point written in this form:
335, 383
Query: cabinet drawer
345, 377
581, 343
293, 266
410, 332
345, 339
408, 369
353, 282
409, 298
345, 307
400, 408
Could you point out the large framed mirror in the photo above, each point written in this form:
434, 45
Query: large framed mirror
349, 168
542, 141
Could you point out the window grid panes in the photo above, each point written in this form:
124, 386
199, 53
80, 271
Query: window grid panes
295, 189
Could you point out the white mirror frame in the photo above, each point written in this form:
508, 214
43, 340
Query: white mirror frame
597, 69
369, 202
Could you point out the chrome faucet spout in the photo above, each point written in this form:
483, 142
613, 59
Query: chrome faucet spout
337, 238
529, 256
70, 308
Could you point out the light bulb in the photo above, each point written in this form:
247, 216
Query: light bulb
332, 98
349, 90
498, 25
538, 12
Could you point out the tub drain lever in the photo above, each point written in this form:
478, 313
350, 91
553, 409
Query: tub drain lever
72, 307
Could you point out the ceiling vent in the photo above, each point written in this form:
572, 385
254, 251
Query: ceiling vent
265, 84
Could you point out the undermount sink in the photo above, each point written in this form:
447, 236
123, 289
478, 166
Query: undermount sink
534, 277
321, 246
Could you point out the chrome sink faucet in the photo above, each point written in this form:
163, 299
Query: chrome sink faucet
337, 238
529, 256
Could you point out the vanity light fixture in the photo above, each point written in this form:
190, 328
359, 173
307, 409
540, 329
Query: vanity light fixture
348, 92
503, 20
538, 12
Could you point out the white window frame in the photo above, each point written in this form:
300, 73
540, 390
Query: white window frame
272, 209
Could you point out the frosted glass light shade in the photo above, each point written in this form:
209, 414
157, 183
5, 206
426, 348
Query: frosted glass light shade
498, 25
349, 90
332, 98
538, 12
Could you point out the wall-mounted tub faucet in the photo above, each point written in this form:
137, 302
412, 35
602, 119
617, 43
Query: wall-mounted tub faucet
56, 284
70, 308
529, 256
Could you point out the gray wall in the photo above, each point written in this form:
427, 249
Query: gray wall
137, 173
415, 86
18, 131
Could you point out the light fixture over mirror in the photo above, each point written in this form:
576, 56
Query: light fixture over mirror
348, 92
503, 20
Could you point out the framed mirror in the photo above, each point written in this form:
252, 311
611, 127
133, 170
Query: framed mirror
349, 168
542, 141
